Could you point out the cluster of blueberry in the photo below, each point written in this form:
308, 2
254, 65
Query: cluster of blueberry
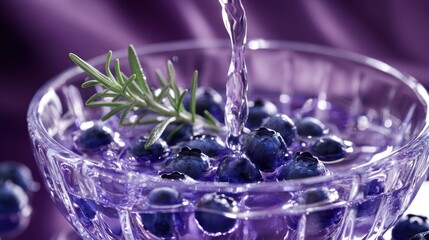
213, 213
274, 148
16, 187
273, 143
165, 224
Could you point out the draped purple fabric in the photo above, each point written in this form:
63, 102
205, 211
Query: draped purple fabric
36, 37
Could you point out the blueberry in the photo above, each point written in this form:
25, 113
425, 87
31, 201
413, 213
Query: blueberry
317, 221
302, 165
207, 99
85, 208
237, 169
164, 196
258, 111
266, 149
208, 144
210, 213
17, 173
191, 162
93, 138
155, 152
310, 127
159, 224
371, 205
374, 187
12, 201
173, 176
282, 124
163, 224
314, 196
421, 236
177, 132
329, 148
409, 226
177, 176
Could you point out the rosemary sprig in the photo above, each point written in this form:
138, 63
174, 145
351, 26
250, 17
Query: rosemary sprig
123, 94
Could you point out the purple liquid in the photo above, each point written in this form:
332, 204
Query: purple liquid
266, 208
267, 214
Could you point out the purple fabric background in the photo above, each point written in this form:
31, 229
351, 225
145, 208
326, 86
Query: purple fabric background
36, 37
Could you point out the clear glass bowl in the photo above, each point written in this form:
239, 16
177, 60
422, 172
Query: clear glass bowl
383, 111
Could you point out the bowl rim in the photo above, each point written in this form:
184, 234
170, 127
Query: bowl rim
252, 44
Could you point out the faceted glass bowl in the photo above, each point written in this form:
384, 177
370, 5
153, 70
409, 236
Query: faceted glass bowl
382, 110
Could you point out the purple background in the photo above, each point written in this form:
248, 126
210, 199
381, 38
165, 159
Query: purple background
36, 37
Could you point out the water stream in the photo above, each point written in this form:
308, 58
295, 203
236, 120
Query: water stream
236, 109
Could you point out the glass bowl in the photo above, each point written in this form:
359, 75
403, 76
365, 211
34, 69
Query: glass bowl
380, 111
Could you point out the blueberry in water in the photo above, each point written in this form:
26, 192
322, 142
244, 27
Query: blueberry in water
173, 176
159, 224
154, 153
282, 124
258, 111
12, 201
85, 208
310, 127
409, 226
237, 169
208, 144
316, 195
93, 138
163, 224
207, 99
302, 165
266, 149
164, 196
177, 176
210, 213
17, 173
370, 206
374, 187
421, 236
329, 148
177, 132
318, 221
191, 162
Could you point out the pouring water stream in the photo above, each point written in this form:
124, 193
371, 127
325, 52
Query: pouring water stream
236, 109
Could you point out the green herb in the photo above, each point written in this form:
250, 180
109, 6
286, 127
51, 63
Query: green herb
124, 94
